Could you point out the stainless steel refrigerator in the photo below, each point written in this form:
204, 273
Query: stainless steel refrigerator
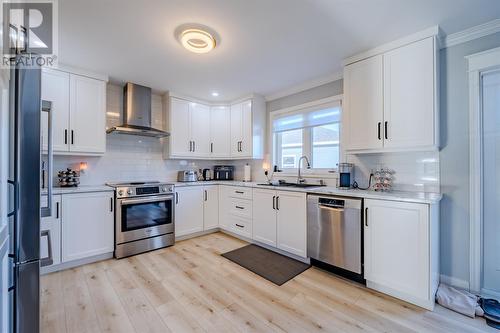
24, 177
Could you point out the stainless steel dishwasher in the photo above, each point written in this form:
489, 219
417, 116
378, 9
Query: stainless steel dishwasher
334, 234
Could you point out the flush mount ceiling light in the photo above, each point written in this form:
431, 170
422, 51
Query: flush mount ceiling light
197, 40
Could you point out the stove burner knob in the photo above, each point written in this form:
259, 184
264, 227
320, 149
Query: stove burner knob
164, 189
120, 192
129, 191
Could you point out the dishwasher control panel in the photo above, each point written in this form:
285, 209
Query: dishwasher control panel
331, 202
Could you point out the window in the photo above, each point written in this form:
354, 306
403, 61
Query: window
311, 132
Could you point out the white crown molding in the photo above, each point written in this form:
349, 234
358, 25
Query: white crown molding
304, 86
466, 35
78, 71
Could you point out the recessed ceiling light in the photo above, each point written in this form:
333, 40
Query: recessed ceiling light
197, 40
215, 94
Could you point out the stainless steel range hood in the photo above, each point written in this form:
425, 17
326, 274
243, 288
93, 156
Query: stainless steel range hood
137, 113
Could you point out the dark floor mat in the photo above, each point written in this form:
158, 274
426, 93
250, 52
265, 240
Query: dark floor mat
270, 265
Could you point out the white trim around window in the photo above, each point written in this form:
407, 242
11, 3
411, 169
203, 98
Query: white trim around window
313, 173
478, 64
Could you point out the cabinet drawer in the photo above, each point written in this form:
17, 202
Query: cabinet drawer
240, 208
241, 227
240, 192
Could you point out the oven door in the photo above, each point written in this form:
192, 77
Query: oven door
139, 218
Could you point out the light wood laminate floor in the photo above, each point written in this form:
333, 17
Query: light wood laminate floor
190, 288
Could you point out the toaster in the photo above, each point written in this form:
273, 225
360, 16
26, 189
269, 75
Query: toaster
187, 176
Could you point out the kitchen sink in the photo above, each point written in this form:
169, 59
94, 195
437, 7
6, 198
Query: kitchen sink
285, 184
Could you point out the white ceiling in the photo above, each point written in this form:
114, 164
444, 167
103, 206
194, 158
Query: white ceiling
265, 45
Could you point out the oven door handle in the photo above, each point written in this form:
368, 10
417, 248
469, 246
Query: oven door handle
125, 202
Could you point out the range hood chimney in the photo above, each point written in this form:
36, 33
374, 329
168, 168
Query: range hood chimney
137, 113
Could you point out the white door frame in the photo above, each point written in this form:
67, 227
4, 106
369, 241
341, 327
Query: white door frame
478, 64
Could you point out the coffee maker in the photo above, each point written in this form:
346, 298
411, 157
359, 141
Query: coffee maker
346, 175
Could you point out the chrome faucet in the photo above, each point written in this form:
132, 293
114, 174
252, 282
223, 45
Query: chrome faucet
301, 180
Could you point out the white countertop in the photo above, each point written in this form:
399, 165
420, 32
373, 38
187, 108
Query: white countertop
417, 197
80, 189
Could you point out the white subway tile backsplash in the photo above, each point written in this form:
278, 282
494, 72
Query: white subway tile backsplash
415, 171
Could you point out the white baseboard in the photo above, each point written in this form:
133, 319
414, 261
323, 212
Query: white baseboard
488, 293
75, 263
454, 282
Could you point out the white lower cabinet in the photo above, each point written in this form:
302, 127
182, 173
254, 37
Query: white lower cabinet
401, 250
210, 207
50, 234
264, 216
280, 220
235, 206
188, 210
292, 222
87, 225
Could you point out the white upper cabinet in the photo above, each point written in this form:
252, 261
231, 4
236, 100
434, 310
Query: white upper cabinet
390, 99
55, 88
189, 127
200, 129
215, 132
87, 115
220, 131
363, 104
78, 113
409, 96
242, 130
180, 139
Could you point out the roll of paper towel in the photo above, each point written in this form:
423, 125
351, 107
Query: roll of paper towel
247, 174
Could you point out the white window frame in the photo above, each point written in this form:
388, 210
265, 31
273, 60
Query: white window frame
306, 139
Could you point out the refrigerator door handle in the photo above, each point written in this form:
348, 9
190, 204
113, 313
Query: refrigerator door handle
47, 211
47, 261
16, 197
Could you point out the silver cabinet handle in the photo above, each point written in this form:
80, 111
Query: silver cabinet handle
176, 198
49, 260
211, 147
206, 195
385, 130
111, 204
274, 202
240, 226
239, 192
239, 207
378, 130
366, 216
72, 137
47, 211
194, 146
190, 145
278, 202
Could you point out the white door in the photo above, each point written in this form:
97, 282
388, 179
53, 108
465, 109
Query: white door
292, 222
210, 207
180, 129
236, 129
55, 88
200, 129
87, 115
264, 216
246, 130
363, 104
50, 233
409, 95
491, 183
397, 246
220, 132
188, 210
87, 225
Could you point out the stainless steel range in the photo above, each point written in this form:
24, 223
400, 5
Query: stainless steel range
144, 217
